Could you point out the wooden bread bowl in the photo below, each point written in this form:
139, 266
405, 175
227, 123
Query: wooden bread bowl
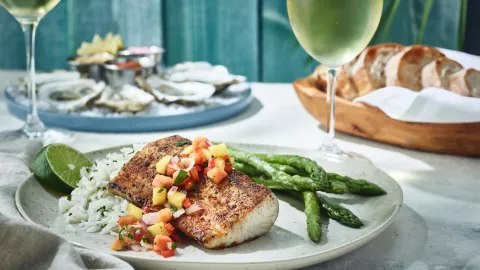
371, 123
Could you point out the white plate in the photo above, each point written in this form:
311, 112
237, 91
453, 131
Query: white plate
286, 246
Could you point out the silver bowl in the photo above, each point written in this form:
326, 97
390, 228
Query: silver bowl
117, 76
153, 53
93, 69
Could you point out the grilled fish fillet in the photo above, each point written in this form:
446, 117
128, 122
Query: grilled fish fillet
235, 211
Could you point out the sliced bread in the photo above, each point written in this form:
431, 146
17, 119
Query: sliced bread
369, 72
437, 73
345, 87
405, 68
466, 82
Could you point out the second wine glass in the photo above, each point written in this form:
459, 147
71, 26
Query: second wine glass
334, 32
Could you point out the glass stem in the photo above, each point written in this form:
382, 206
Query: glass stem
33, 125
331, 92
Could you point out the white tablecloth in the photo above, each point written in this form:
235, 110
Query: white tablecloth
439, 224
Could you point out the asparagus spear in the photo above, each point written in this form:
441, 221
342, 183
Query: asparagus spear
312, 212
360, 186
289, 169
336, 212
315, 172
336, 187
294, 182
340, 214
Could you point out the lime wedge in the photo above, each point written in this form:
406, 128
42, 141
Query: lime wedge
58, 166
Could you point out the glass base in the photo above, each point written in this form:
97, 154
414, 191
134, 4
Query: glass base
332, 152
46, 136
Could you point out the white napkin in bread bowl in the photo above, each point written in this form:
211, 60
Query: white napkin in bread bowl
431, 105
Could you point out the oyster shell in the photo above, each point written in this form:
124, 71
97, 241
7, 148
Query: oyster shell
67, 96
203, 72
126, 99
56, 76
167, 91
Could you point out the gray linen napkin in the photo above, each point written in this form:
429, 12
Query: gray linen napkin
27, 246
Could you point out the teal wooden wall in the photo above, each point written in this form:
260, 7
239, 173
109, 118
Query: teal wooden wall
250, 37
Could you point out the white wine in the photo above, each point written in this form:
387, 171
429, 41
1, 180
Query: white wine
28, 11
334, 31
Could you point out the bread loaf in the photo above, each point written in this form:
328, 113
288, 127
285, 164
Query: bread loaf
369, 72
437, 73
466, 82
405, 68
345, 87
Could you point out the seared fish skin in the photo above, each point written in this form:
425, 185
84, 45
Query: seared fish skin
134, 181
235, 211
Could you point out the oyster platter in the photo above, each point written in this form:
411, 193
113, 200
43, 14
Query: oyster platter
130, 91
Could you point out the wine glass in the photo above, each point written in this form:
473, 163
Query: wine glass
334, 32
29, 13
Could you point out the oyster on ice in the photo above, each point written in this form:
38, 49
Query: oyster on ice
126, 99
203, 72
167, 91
56, 76
67, 96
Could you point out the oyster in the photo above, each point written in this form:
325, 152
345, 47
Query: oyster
203, 72
67, 96
56, 76
167, 91
126, 99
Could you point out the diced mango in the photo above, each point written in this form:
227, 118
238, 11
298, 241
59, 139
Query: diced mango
176, 199
165, 215
220, 163
134, 211
216, 175
219, 150
158, 229
207, 154
159, 196
117, 245
187, 150
161, 165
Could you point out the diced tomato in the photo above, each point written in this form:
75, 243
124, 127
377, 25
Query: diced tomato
187, 203
198, 140
189, 185
162, 181
170, 170
206, 170
126, 220
216, 175
175, 237
226, 157
161, 243
203, 145
168, 253
194, 175
228, 167
185, 155
145, 209
139, 233
211, 163
203, 160
165, 215
169, 227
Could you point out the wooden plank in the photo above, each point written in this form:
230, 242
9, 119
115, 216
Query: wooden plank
218, 31
139, 22
281, 62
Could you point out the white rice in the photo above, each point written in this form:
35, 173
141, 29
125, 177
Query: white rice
90, 205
